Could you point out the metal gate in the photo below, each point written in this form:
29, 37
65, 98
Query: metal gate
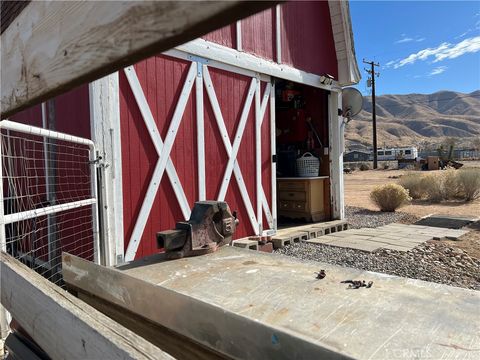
48, 195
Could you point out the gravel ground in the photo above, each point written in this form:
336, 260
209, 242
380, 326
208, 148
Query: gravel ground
358, 217
437, 261
432, 261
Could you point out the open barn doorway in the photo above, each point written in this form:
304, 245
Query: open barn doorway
302, 145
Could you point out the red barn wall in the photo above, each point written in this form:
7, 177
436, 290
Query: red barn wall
306, 36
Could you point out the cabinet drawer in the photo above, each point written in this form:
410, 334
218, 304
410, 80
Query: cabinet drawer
285, 205
292, 185
299, 206
292, 195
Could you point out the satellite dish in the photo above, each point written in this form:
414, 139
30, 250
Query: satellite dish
352, 101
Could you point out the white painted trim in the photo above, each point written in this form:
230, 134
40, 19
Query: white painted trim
228, 146
202, 194
163, 150
223, 54
216, 64
238, 29
273, 150
237, 141
336, 156
105, 130
258, 156
348, 72
278, 32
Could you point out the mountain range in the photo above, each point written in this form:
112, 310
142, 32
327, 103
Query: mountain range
417, 119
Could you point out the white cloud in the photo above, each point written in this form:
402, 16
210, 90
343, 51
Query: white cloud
438, 70
404, 40
442, 52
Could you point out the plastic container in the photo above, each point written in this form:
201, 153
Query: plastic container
308, 165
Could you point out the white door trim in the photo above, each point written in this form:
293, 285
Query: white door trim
163, 150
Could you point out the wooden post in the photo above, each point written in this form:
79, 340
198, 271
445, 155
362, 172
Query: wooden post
62, 325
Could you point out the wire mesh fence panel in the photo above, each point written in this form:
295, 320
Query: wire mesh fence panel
48, 197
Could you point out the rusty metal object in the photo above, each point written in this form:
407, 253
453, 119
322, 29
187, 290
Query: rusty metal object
211, 225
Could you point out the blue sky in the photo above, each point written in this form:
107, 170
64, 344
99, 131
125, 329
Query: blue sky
422, 46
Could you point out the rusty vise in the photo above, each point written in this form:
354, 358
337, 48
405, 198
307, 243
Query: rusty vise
211, 225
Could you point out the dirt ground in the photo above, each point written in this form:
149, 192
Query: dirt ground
359, 184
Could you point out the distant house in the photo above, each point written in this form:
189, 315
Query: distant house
356, 155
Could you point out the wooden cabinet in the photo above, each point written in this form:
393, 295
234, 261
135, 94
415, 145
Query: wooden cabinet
302, 198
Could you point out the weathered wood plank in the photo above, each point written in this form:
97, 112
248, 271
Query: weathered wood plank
62, 325
53, 46
231, 333
174, 344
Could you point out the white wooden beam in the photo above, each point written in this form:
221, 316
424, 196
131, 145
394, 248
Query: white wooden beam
273, 151
228, 148
202, 192
238, 30
335, 134
105, 130
278, 33
258, 156
223, 54
62, 325
237, 140
52, 46
163, 161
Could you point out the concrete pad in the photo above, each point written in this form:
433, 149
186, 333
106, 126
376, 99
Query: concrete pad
246, 244
362, 245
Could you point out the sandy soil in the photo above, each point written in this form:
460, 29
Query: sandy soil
359, 184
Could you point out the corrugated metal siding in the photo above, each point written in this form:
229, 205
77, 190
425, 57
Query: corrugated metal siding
307, 38
258, 34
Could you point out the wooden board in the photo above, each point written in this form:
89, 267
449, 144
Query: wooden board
53, 46
174, 344
210, 323
62, 325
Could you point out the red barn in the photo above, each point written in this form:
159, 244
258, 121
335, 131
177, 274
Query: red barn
217, 119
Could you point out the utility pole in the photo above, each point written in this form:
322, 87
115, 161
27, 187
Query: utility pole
371, 79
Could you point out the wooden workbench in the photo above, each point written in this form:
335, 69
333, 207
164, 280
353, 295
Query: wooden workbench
252, 305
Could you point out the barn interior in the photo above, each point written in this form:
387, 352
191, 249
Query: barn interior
303, 167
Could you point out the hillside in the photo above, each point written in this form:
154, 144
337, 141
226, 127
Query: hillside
417, 119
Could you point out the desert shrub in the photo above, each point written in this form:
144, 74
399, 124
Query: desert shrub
364, 166
450, 185
469, 183
389, 197
433, 186
414, 183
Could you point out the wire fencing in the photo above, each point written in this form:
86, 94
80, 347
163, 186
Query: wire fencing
48, 191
